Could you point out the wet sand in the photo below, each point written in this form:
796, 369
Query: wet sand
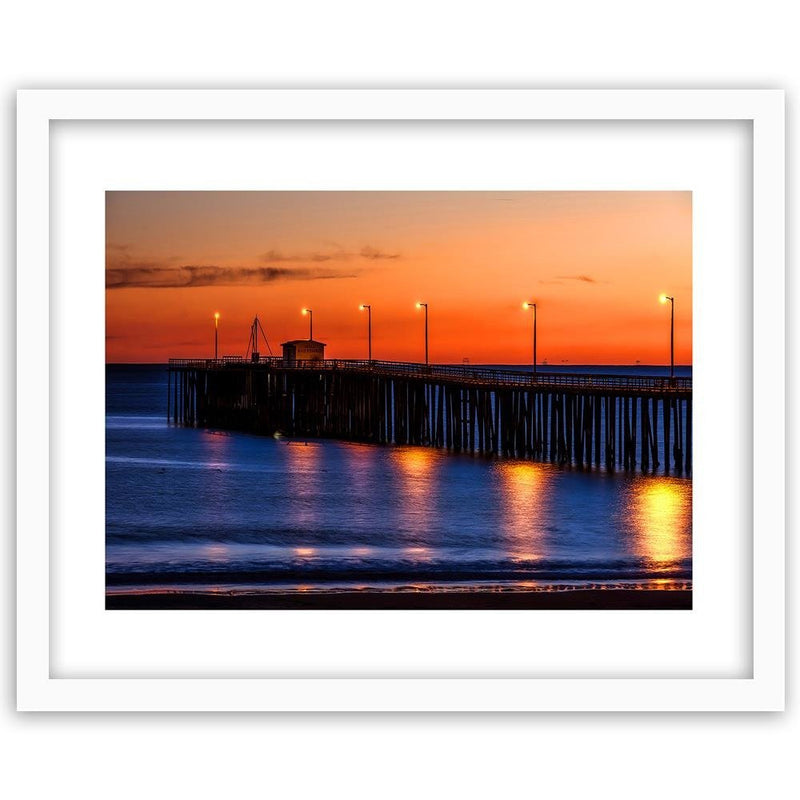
578, 599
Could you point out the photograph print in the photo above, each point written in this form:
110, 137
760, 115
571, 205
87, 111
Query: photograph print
399, 400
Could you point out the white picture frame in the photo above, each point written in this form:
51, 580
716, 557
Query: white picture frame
42, 686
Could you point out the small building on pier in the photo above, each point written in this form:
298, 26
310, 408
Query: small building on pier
303, 350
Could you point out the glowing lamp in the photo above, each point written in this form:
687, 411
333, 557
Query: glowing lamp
425, 306
526, 305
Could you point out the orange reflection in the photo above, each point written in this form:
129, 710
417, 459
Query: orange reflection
216, 445
661, 512
304, 552
216, 552
303, 456
524, 485
416, 466
304, 461
418, 553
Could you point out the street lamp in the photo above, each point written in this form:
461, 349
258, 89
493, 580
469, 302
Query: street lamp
526, 306
310, 323
425, 306
369, 326
663, 299
216, 335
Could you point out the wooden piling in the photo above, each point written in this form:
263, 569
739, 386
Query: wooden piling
464, 412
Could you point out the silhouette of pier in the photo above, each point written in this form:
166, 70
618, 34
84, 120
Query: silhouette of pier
587, 421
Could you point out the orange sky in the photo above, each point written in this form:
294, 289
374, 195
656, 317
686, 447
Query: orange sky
595, 263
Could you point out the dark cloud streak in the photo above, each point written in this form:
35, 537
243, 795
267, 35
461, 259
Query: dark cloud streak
147, 276
123, 271
373, 254
559, 280
276, 257
339, 254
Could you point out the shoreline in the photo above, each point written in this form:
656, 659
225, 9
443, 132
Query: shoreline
574, 600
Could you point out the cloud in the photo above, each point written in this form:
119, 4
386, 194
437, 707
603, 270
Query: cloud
147, 276
560, 279
373, 254
582, 278
276, 257
124, 271
338, 254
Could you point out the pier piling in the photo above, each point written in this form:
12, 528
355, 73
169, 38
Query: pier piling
585, 421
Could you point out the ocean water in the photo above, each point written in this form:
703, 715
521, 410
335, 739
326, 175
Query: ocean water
212, 511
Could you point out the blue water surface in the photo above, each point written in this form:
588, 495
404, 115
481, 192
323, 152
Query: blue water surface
203, 510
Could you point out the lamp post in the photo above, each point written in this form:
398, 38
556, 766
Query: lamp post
216, 335
310, 323
369, 327
425, 306
526, 306
663, 299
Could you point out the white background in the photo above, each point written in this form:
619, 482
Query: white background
349, 44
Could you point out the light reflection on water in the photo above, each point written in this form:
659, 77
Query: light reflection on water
216, 449
660, 510
415, 469
216, 552
303, 463
524, 488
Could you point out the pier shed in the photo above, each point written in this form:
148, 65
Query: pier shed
303, 350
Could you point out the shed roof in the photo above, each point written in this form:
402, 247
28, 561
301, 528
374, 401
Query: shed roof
303, 341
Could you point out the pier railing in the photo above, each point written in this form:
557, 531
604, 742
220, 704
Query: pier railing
472, 375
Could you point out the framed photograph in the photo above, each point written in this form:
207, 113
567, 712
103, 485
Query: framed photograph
389, 400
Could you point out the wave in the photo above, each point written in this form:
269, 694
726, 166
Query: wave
149, 417
292, 571
167, 462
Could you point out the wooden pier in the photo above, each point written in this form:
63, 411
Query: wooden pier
588, 421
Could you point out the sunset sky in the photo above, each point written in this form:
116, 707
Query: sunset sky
595, 263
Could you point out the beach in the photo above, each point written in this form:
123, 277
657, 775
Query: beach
576, 599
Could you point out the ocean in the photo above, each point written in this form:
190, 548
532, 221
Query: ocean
215, 512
